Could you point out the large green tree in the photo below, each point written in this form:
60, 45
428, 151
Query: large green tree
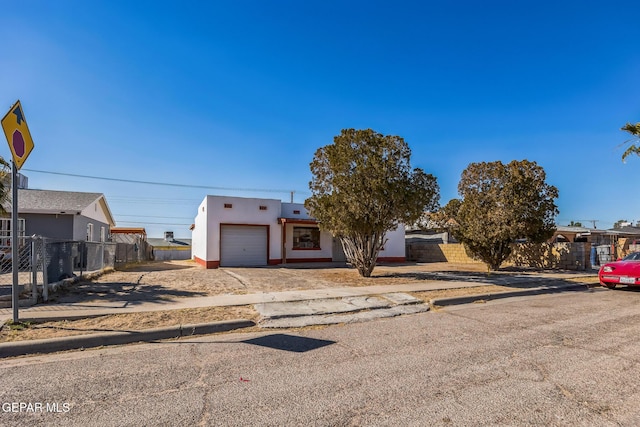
499, 204
362, 187
634, 148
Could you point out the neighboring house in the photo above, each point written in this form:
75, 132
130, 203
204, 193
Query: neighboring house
64, 215
595, 236
606, 245
128, 235
579, 234
131, 244
627, 232
236, 231
424, 236
169, 248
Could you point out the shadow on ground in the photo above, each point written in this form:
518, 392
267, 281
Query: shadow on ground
514, 278
149, 267
130, 293
287, 342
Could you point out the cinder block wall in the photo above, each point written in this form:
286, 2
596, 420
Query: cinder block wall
438, 252
564, 256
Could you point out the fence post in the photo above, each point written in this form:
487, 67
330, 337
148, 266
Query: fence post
45, 275
34, 270
81, 246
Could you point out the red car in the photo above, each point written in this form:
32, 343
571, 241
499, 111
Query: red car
623, 272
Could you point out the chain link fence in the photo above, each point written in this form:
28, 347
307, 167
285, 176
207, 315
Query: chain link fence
127, 253
43, 261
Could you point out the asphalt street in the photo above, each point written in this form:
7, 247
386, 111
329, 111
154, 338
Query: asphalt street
558, 359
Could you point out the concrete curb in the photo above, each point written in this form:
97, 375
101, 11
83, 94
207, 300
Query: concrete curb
51, 345
467, 299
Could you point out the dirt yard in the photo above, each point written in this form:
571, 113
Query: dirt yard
183, 279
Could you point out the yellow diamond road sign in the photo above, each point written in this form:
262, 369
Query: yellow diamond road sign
18, 135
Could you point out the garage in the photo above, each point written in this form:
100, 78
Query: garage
243, 245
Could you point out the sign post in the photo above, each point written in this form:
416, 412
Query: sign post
18, 136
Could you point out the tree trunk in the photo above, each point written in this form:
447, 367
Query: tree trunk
362, 252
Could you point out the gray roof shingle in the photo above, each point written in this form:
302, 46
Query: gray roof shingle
54, 201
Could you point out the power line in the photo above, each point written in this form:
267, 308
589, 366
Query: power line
166, 184
147, 202
155, 223
153, 216
135, 199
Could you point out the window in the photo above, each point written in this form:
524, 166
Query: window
89, 232
306, 238
5, 230
228, 206
103, 236
263, 208
296, 212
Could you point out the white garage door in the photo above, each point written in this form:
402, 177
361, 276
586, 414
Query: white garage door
242, 245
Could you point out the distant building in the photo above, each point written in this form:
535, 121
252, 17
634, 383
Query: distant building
170, 248
129, 235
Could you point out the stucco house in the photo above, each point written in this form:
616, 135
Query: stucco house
237, 231
64, 215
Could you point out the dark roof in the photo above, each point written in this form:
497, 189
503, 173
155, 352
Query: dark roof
57, 202
128, 230
160, 242
626, 230
54, 201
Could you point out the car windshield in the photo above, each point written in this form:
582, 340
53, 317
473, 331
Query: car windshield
632, 257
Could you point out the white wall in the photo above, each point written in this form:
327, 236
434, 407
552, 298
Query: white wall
244, 211
289, 208
199, 233
395, 246
96, 211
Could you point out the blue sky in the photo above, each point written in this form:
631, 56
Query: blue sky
240, 94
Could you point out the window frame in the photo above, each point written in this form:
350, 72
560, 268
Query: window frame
312, 230
89, 232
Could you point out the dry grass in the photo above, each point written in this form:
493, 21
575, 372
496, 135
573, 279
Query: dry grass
126, 322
